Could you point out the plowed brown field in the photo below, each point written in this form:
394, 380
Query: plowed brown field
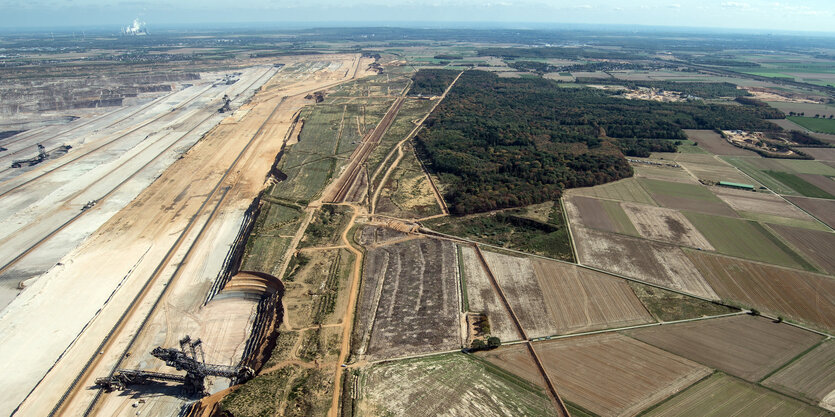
824, 210
798, 295
819, 246
608, 374
715, 144
483, 297
811, 377
582, 300
746, 346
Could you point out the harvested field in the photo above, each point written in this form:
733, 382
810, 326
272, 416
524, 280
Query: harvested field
718, 173
821, 154
746, 239
628, 189
583, 300
745, 346
516, 278
759, 202
516, 359
681, 196
663, 173
482, 297
409, 300
714, 143
801, 296
605, 215
812, 377
823, 210
670, 306
611, 374
799, 184
817, 245
453, 384
662, 264
658, 223
722, 395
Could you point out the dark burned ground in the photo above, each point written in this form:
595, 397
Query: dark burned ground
409, 300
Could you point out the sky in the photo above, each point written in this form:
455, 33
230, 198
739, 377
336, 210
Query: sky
760, 15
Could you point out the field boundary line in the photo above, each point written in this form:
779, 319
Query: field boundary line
792, 360
570, 233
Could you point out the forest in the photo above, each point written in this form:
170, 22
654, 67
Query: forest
506, 142
431, 82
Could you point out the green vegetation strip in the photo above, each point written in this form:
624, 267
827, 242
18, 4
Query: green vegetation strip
815, 124
799, 185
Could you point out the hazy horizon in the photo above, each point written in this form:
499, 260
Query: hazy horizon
763, 16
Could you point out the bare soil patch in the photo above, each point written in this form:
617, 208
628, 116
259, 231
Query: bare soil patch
821, 154
613, 375
583, 300
590, 213
702, 206
824, 210
812, 377
745, 346
664, 224
516, 278
757, 202
662, 264
482, 297
817, 245
801, 296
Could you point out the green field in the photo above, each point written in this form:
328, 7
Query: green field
452, 384
745, 239
799, 185
512, 229
819, 125
787, 221
688, 146
801, 166
723, 395
619, 217
668, 306
677, 189
745, 165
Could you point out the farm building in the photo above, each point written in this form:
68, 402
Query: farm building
736, 185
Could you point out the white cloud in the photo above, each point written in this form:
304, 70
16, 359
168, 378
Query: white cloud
735, 5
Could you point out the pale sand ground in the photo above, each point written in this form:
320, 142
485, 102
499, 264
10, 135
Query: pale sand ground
63, 317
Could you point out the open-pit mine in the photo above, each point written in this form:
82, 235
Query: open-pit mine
121, 233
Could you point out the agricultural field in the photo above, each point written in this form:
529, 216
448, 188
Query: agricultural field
767, 208
671, 306
715, 144
793, 294
666, 225
809, 109
723, 395
481, 297
790, 177
582, 300
801, 185
409, 302
516, 359
408, 193
818, 246
312, 287
628, 189
744, 346
694, 197
811, 377
605, 215
823, 210
821, 154
539, 229
663, 173
746, 239
658, 263
516, 278
452, 384
612, 375
814, 124
717, 171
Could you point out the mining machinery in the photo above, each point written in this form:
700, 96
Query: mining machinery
31, 161
190, 358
